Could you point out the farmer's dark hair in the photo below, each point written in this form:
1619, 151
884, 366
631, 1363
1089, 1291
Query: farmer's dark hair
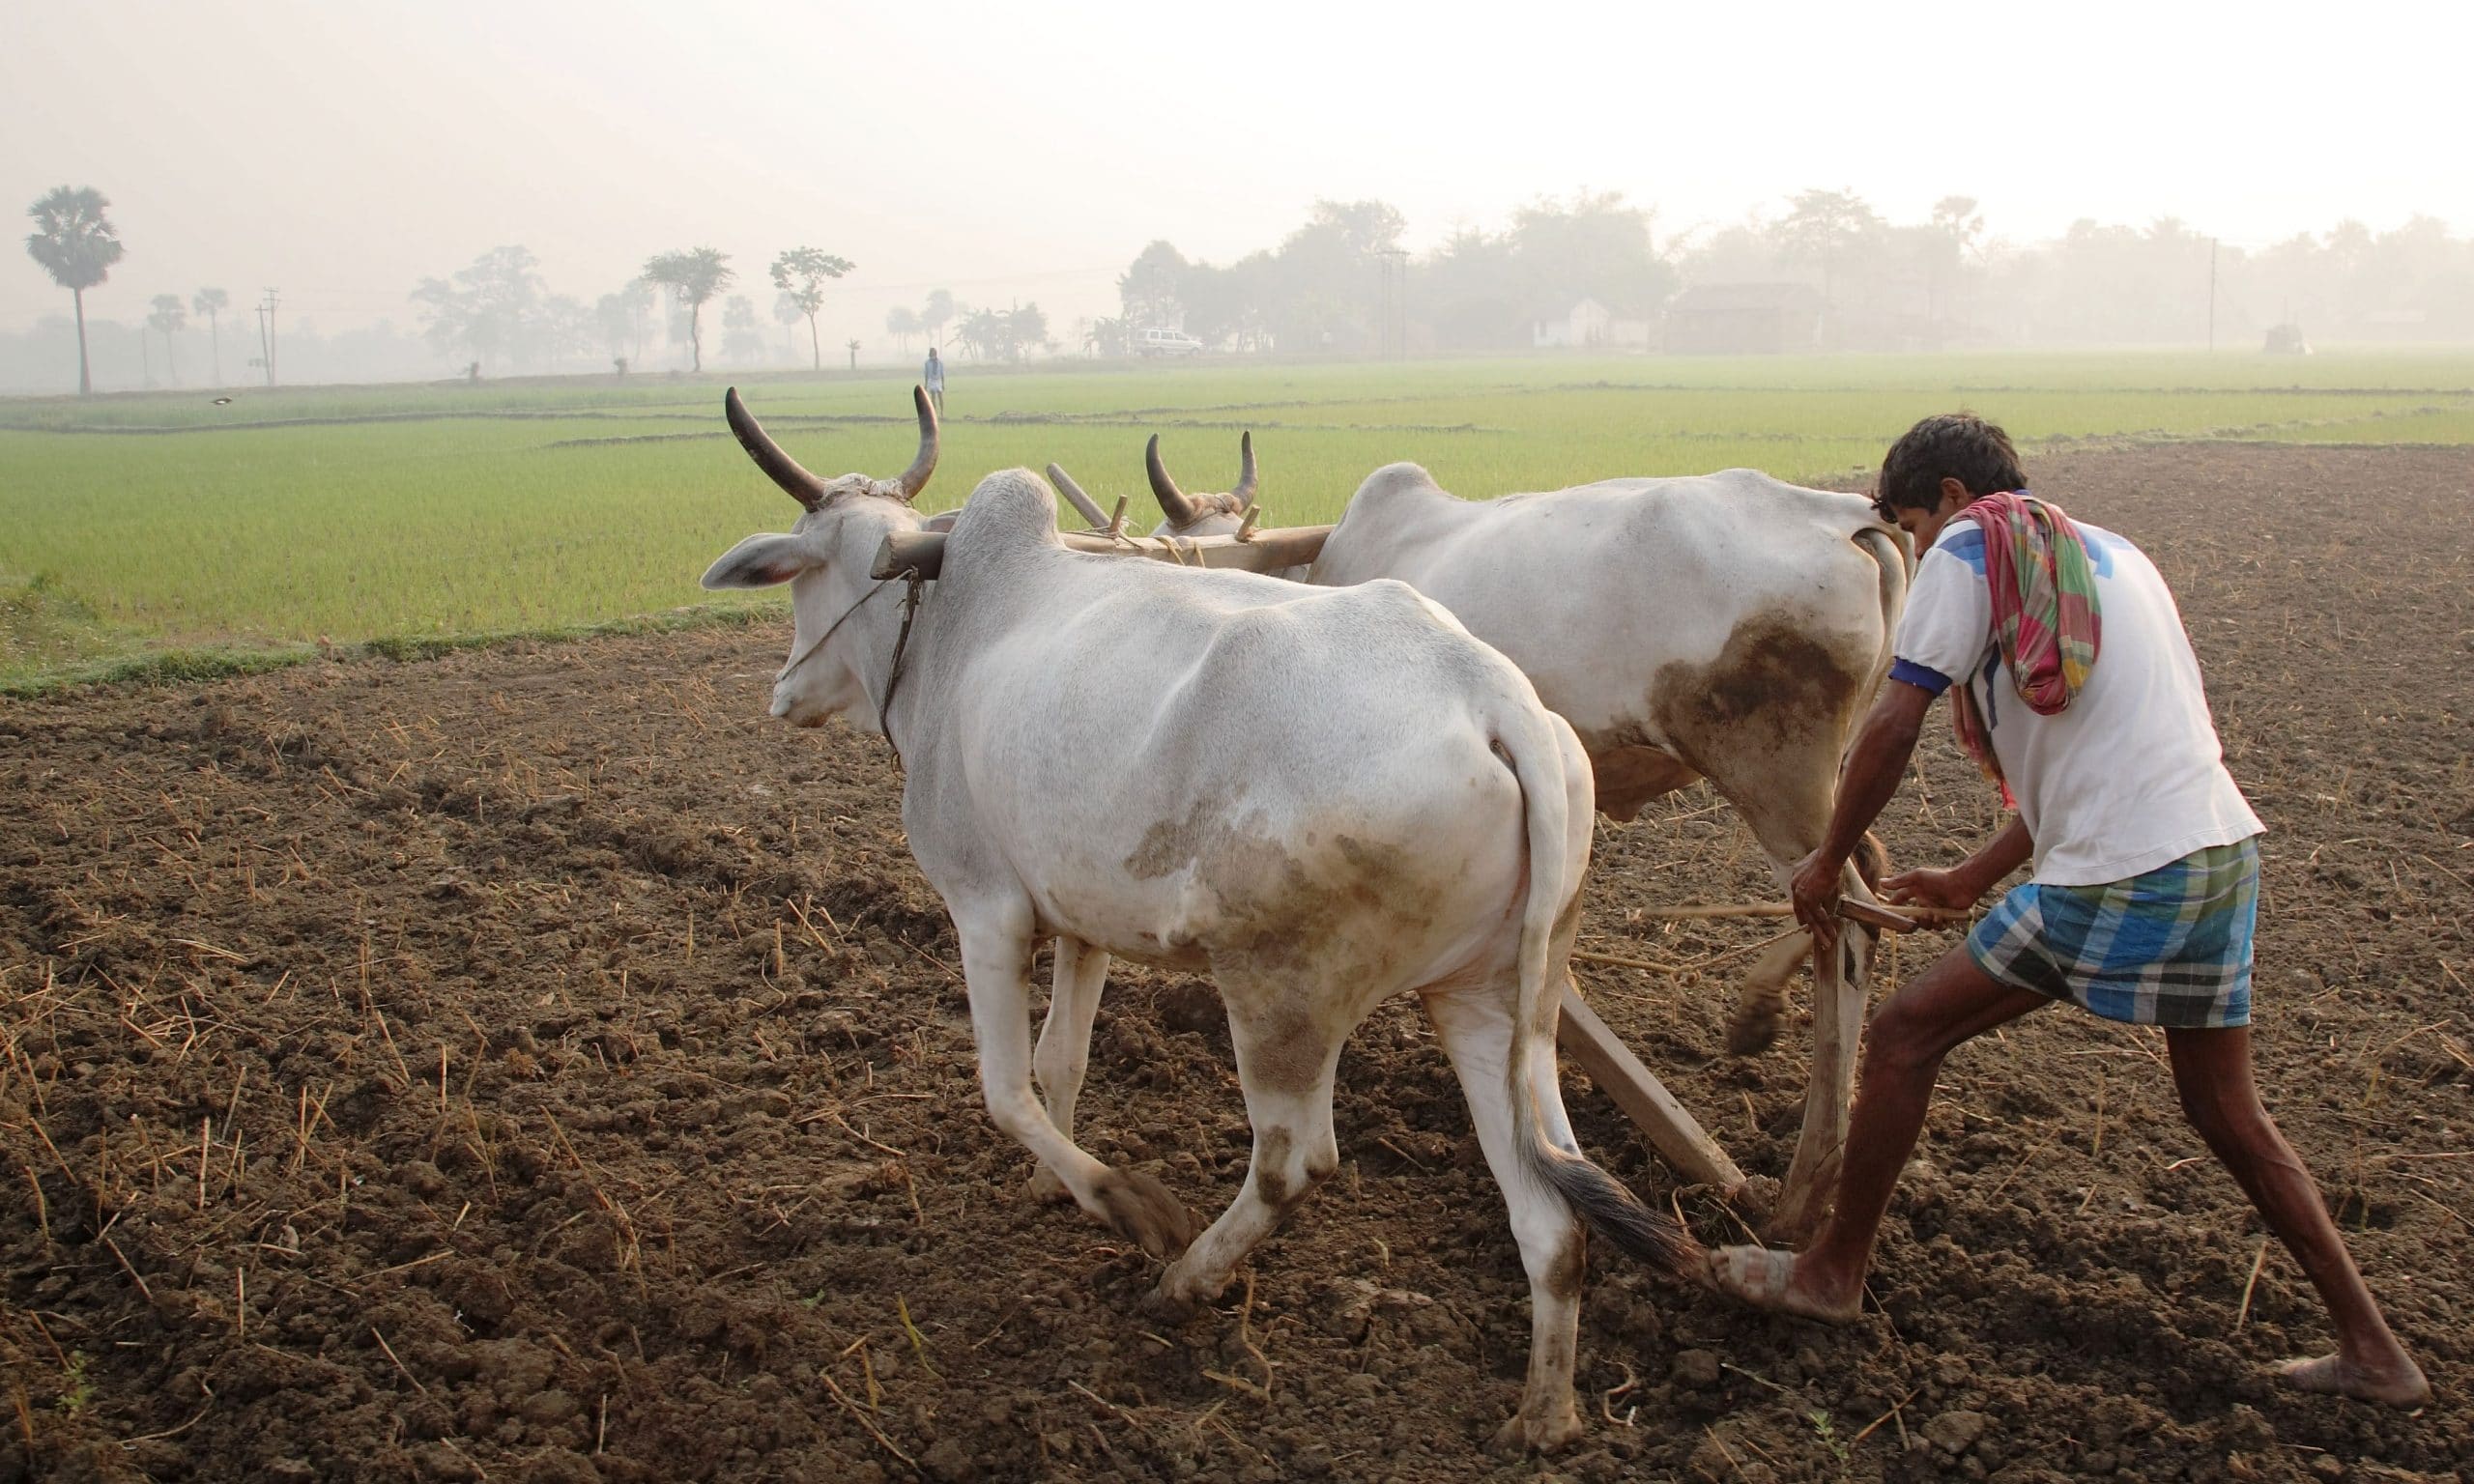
1951, 446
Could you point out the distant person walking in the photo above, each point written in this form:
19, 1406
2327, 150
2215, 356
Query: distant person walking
934, 374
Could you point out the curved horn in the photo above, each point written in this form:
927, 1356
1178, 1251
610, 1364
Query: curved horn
1084, 504
916, 479
1174, 503
779, 466
1246, 480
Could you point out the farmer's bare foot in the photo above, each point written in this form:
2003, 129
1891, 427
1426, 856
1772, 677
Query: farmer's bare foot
1766, 1279
2401, 1384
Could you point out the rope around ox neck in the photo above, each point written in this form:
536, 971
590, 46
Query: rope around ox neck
902, 642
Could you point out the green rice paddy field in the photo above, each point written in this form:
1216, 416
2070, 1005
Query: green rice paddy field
154, 530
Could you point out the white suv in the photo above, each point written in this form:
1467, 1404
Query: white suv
1167, 342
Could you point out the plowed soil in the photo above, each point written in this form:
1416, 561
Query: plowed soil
536, 1065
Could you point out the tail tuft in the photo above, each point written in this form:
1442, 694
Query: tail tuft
1616, 1214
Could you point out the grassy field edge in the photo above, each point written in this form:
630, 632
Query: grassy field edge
194, 665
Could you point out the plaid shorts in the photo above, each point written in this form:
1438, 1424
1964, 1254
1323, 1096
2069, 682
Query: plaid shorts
2169, 947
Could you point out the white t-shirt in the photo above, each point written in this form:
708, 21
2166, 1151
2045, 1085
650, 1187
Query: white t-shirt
2130, 775
934, 374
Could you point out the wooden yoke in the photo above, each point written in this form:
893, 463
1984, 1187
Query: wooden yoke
1263, 551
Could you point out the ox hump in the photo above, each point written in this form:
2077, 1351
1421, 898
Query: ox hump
1012, 507
1395, 480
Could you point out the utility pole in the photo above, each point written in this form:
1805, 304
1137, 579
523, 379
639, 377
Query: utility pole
2211, 296
266, 332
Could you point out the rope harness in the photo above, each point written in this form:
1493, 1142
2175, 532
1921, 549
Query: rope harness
901, 643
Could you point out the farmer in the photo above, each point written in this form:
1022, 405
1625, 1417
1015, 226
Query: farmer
932, 375
2074, 686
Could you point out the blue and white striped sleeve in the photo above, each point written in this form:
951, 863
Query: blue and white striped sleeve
1949, 616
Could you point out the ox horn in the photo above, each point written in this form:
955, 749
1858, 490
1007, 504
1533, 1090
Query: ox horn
1174, 503
1084, 504
1246, 480
916, 479
779, 466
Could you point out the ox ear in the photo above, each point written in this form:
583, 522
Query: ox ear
759, 561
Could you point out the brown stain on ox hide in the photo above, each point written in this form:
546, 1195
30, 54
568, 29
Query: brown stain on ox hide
1771, 690
1295, 938
1568, 1266
1272, 1147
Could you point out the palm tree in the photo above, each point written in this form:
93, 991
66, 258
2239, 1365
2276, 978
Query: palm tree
694, 275
170, 319
212, 303
78, 244
800, 273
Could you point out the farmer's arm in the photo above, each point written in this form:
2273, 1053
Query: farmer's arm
1961, 886
1874, 768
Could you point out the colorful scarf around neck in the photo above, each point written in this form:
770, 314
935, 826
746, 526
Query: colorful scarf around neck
2045, 618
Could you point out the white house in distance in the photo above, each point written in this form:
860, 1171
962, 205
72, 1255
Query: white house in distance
1589, 326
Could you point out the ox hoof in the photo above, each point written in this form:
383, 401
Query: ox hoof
1752, 1028
1558, 1428
1172, 1310
1141, 1210
1045, 1188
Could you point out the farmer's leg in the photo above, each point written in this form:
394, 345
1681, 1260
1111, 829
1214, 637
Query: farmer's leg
2212, 1072
1951, 1002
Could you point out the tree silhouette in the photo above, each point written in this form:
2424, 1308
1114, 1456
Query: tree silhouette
786, 313
692, 276
1148, 290
212, 303
78, 244
1822, 226
901, 322
934, 314
742, 343
170, 319
1108, 335
500, 307
801, 273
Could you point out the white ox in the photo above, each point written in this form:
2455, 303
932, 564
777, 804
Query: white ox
1409, 818
1725, 626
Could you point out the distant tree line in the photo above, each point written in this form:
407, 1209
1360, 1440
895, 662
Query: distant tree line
500, 313
1829, 273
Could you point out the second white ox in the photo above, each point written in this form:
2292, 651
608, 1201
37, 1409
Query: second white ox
1409, 818
1726, 626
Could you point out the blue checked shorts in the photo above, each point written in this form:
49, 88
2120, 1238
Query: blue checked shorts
2167, 947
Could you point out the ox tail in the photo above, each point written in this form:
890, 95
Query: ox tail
1553, 773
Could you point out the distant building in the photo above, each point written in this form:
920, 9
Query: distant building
1743, 319
1590, 324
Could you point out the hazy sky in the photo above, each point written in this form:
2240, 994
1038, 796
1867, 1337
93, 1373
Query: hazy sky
343, 150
